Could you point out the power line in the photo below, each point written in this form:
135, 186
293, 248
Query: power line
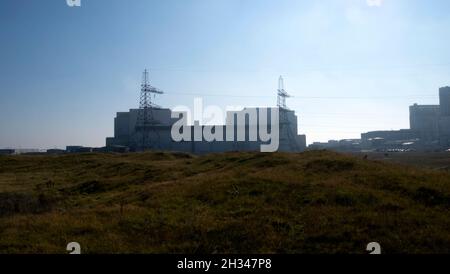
315, 69
339, 126
303, 97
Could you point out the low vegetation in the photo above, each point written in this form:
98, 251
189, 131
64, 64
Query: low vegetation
312, 202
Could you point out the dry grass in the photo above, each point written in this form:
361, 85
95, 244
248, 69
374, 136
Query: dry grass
314, 202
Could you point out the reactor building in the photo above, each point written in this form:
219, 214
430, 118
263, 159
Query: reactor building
150, 127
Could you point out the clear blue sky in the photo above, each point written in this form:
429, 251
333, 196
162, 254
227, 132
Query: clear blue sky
353, 67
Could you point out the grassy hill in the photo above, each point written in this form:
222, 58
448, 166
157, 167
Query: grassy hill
313, 202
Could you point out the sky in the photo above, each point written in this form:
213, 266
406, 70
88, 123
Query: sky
351, 66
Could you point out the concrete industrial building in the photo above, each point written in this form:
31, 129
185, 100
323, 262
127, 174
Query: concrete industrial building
424, 121
150, 128
444, 101
17, 151
444, 119
7, 151
429, 129
346, 145
160, 138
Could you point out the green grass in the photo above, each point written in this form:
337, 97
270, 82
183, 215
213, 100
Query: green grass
313, 202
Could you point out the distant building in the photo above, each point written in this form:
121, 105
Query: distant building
388, 139
429, 128
18, 151
78, 149
346, 145
115, 149
7, 151
444, 120
444, 101
159, 135
390, 135
151, 127
424, 120
55, 151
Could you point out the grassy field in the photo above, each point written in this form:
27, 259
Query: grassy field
313, 202
436, 160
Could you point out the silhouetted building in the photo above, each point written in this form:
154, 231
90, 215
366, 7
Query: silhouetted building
55, 151
444, 101
346, 145
7, 151
78, 149
424, 120
389, 140
429, 128
159, 135
444, 120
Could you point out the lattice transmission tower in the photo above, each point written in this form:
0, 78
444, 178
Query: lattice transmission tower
282, 94
146, 125
288, 137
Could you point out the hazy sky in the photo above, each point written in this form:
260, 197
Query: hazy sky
352, 65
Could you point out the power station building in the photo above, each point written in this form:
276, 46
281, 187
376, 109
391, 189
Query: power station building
150, 128
429, 128
159, 137
444, 118
424, 121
